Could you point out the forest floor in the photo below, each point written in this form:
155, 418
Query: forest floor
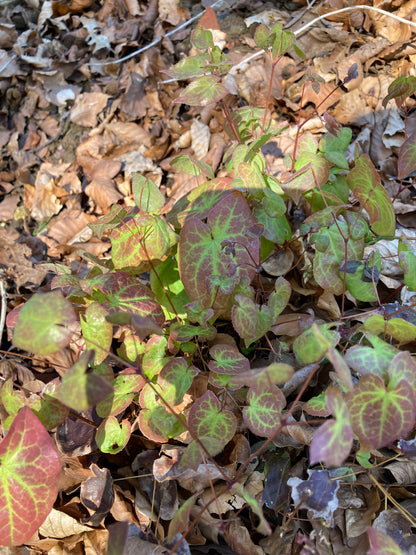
85, 103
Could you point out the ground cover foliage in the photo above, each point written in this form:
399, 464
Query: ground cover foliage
208, 268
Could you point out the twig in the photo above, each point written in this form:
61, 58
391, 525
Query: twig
3, 308
156, 41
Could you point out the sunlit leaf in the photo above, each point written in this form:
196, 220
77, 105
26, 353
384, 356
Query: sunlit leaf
203, 252
203, 91
43, 326
175, 379
97, 331
147, 196
29, 471
112, 436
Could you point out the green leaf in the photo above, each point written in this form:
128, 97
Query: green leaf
399, 329
264, 377
112, 436
168, 289
361, 277
314, 174
330, 250
44, 324
175, 379
124, 387
332, 443
29, 472
313, 343
218, 250
263, 414
108, 221
203, 91
146, 195
380, 415
252, 178
191, 66
188, 164
155, 357
365, 183
80, 390
97, 332
407, 260
261, 36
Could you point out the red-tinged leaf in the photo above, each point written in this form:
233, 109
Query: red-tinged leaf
317, 406
263, 414
227, 360
120, 292
400, 89
318, 494
199, 202
314, 174
207, 419
343, 375
250, 320
365, 183
366, 360
332, 443
159, 425
112, 436
382, 544
44, 324
80, 390
203, 256
202, 38
264, 377
379, 415
252, 179
402, 367
175, 379
124, 387
140, 239
97, 332
406, 160
203, 91
29, 471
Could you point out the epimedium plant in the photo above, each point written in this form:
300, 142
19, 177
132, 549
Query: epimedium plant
175, 279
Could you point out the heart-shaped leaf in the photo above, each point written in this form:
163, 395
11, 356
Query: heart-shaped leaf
29, 471
263, 415
44, 324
